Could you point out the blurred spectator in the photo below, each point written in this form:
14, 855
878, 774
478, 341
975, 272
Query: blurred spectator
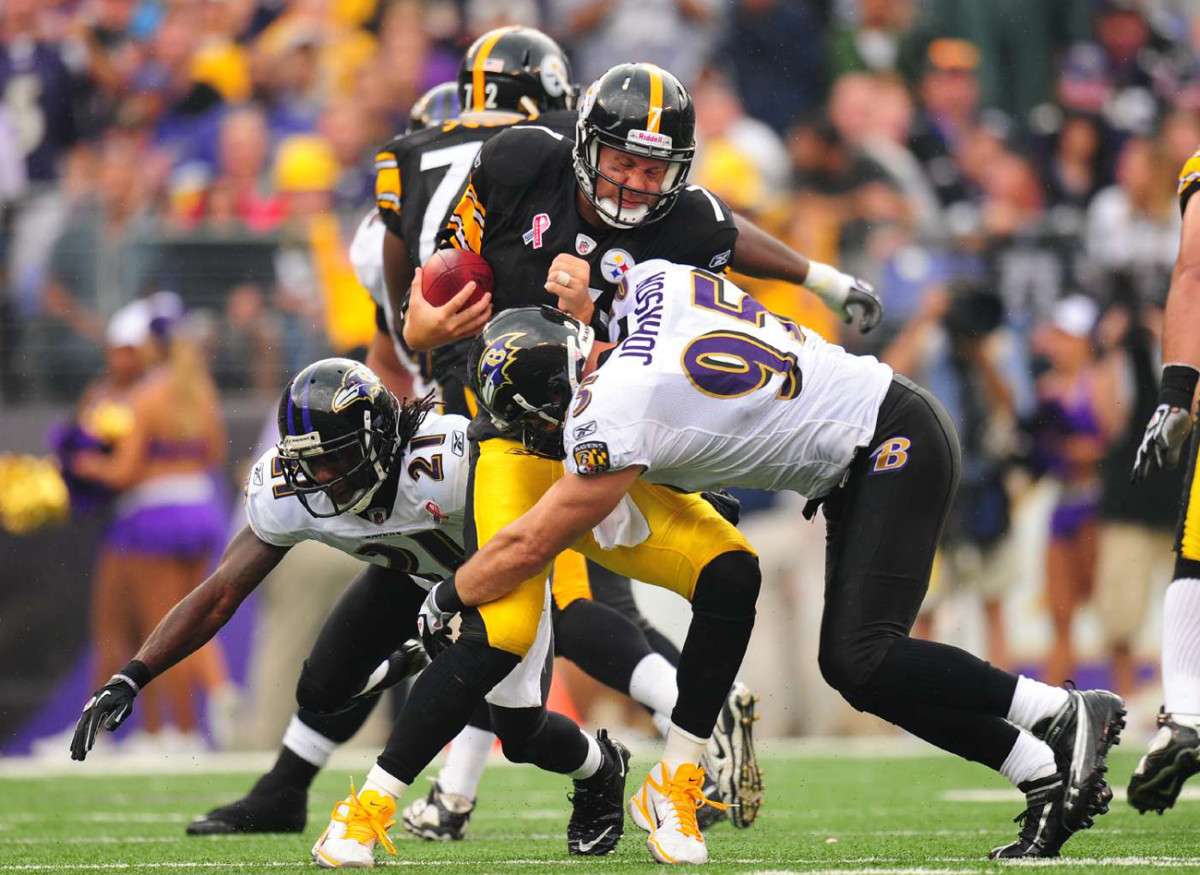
768, 41
241, 193
1074, 171
344, 129
1072, 440
246, 351
720, 118
675, 34
1137, 522
949, 104
874, 42
1133, 226
875, 113
956, 347
1020, 42
101, 260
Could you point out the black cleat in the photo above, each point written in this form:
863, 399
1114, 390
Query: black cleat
1080, 735
263, 810
1174, 756
440, 816
598, 813
731, 762
1043, 831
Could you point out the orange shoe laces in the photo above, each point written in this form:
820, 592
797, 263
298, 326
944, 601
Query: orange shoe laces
363, 823
686, 793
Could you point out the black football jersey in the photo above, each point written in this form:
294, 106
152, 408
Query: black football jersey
420, 176
520, 209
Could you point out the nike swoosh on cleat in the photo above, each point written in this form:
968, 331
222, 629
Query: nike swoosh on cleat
584, 847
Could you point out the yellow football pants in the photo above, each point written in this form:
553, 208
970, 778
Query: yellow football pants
686, 534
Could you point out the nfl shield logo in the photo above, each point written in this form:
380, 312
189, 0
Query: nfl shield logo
584, 244
615, 264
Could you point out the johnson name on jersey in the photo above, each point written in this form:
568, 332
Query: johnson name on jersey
706, 389
520, 210
423, 533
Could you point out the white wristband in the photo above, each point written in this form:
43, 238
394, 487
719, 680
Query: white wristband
829, 283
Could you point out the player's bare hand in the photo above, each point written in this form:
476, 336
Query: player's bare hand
427, 327
568, 280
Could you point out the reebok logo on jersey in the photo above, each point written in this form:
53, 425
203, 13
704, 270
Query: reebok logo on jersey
258, 475
541, 224
720, 259
891, 455
584, 430
458, 443
584, 244
591, 457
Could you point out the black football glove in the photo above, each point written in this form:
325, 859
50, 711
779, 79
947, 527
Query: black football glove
1168, 429
725, 504
862, 306
110, 706
433, 620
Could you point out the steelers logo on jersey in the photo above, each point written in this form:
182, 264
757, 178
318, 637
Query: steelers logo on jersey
591, 457
615, 264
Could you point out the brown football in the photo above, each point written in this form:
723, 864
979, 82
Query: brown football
448, 270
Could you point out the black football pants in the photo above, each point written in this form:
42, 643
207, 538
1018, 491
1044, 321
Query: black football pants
882, 530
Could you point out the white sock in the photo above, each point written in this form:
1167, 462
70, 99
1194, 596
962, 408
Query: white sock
682, 747
466, 761
1181, 647
1030, 759
653, 684
662, 722
383, 782
308, 744
593, 760
1034, 701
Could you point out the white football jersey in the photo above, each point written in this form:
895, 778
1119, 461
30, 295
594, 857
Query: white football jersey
423, 534
707, 389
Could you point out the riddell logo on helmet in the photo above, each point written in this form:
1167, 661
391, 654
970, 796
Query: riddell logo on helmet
649, 138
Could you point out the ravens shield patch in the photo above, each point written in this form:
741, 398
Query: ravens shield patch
591, 457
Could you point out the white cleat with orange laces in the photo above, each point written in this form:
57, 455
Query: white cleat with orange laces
665, 807
358, 822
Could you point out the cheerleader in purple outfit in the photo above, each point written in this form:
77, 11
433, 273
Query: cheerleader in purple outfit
168, 518
1072, 441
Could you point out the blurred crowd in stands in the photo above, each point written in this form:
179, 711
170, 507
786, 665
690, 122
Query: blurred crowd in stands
1003, 173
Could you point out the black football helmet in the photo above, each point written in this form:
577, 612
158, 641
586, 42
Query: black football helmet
515, 69
338, 436
642, 110
438, 104
524, 367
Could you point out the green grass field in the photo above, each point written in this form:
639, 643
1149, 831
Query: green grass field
824, 814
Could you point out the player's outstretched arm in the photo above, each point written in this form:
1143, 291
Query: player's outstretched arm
1168, 429
185, 629
758, 254
570, 509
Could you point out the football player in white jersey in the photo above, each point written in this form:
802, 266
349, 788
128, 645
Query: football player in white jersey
701, 387
386, 483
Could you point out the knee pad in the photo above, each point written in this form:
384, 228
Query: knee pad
850, 667
728, 587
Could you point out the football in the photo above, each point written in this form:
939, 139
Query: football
448, 270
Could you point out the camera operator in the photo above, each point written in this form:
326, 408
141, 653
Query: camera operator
956, 347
